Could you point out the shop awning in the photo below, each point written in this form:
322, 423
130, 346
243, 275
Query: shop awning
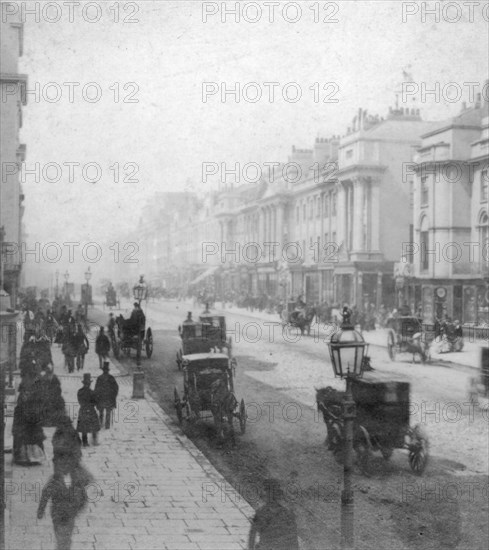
207, 273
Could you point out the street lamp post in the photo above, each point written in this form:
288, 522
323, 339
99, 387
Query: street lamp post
140, 293
347, 351
88, 276
57, 283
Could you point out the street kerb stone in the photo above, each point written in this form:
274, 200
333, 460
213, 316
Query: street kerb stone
148, 488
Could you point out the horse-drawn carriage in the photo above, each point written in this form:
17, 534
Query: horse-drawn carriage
208, 386
202, 337
479, 385
129, 334
381, 423
407, 334
111, 299
300, 316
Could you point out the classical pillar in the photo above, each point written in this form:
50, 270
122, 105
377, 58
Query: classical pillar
375, 215
280, 228
341, 212
357, 217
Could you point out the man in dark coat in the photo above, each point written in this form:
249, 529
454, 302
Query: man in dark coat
87, 416
137, 319
273, 523
53, 404
106, 390
67, 489
102, 347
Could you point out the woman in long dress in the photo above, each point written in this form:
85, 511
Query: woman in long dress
28, 435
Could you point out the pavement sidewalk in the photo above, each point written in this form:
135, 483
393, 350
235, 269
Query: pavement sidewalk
154, 489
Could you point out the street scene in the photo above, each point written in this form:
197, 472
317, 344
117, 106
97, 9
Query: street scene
244, 292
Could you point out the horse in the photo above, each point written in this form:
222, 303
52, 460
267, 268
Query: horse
418, 345
303, 319
223, 405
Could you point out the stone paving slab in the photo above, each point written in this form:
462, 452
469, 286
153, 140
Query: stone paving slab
154, 489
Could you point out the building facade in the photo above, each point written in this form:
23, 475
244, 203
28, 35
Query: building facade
449, 256
12, 154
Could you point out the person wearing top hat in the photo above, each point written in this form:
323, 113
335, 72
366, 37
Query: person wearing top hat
106, 390
189, 319
87, 416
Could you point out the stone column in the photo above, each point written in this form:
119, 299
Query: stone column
341, 212
357, 217
375, 215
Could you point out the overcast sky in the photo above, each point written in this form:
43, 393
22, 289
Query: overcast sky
170, 132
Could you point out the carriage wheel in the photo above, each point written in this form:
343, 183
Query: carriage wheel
242, 417
362, 447
336, 442
418, 450
149, 343
391, 345
178, 405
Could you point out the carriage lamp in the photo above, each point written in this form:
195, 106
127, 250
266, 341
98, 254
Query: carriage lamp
347, 350
140, 290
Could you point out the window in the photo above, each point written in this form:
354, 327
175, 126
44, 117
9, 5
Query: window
484, 185
326, 238
334, 197
411, 194
349, 154
326, 206
424, 191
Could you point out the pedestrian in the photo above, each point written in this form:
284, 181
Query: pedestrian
274, 524
69, 346
67, 490
87, 416
81, 346
66, 440
102, 347
52, 402
28, 435
106, 390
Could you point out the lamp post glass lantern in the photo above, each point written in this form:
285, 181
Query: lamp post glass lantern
347, 351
